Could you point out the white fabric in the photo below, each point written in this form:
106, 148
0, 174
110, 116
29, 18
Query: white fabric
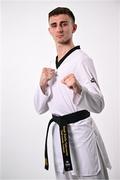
102, 174
60, 100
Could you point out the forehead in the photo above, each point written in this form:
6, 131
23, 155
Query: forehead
59, 18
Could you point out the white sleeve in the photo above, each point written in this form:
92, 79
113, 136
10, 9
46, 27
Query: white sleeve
91, 97
41, 100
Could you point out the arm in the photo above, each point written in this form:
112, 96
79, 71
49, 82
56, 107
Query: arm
91, 96
41, 100
42, 92
86, 91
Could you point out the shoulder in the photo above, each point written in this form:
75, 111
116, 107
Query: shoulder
83, 58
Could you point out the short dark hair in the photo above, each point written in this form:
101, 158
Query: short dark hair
62, 10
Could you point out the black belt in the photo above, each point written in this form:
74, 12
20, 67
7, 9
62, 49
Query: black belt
62, 121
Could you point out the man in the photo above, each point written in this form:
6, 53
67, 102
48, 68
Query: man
70, 92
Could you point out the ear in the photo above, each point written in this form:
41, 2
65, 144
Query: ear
74, 28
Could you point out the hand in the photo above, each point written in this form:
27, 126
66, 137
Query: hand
71, 82
47, 74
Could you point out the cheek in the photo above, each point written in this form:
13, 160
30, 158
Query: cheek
68, 31
52, 34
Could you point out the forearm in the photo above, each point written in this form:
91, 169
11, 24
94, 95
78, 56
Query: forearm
41, 100
94, 102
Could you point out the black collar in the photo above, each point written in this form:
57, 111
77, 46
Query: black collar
58, 63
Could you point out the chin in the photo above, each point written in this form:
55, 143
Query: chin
64, 41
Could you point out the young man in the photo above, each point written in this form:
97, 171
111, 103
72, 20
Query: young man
70, 92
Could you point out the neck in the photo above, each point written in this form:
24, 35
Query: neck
62, 49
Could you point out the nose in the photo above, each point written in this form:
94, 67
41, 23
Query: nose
59, 28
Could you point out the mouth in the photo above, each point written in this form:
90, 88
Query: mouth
60, 36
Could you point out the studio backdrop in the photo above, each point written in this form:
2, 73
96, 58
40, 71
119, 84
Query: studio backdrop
26, 47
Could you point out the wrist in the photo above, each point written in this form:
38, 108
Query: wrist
43, 87
78, 89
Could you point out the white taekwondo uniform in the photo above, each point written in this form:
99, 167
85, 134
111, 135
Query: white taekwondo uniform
86, 145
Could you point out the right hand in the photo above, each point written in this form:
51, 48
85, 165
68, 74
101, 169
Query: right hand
47, 74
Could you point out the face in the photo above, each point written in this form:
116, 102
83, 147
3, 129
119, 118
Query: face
61, 27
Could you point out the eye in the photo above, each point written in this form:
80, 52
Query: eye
53, 25
64, 24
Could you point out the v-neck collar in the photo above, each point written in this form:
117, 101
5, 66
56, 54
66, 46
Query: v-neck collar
58, 63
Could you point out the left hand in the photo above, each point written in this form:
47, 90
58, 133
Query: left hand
71, 82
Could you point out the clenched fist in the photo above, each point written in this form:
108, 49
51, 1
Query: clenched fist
47, 74
71, 82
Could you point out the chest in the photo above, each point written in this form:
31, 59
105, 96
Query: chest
69, 66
